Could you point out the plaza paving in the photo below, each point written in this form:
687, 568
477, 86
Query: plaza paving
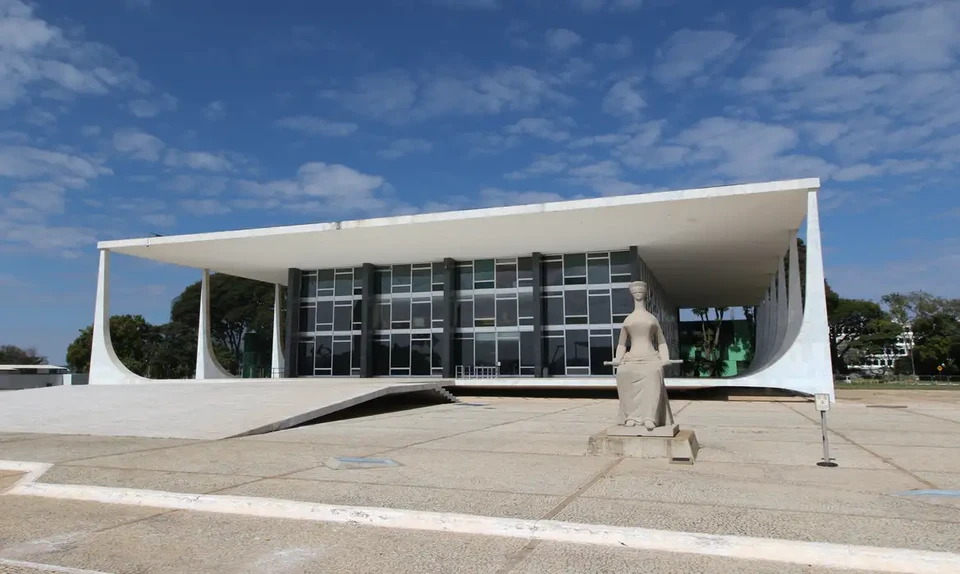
514, 458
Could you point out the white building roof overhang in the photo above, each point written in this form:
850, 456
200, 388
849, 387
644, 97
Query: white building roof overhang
708, 247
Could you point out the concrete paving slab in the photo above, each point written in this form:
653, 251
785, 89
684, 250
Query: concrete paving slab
8, 437
251, 458
761, 420
506, 472
905, 437
942, 480
553, 558
478, 502
788, 525
190, 409
720, 434
191, 482
931, 458
584, 429
785, 453
498, 440
421, 423
355, 435
690, 488
67, 448
181, 543
30, 525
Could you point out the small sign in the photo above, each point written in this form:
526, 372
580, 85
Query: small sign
822, 401
940, 368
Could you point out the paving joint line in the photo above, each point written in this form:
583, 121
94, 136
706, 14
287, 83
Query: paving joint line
908, 409
883, 459
520, 555
190, 442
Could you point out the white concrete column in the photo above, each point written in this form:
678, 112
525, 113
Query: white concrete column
794, 299
208, 367
782, 315
105, 367
276, 353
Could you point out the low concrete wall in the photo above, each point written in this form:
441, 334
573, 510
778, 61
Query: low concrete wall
10, 382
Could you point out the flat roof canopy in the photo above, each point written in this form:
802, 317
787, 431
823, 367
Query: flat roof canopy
708, 247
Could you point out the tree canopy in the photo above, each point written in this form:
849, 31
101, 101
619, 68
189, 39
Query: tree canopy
13, 355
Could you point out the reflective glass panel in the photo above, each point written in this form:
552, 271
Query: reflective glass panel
577, 348
399, 350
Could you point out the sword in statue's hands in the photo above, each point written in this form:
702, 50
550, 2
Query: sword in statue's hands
616, 362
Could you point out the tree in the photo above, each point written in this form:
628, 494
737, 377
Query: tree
710, 361
937, 338
237, 305
133, 340
857, 328
13, 355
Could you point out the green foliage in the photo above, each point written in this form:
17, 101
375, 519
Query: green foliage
858, 327
13, 355
133, 340
708, 359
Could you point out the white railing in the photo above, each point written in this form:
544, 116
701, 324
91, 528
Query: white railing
470, 372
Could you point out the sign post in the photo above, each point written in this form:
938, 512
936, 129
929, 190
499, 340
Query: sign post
822, 401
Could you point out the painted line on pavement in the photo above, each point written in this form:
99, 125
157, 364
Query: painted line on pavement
820, 554
48, 567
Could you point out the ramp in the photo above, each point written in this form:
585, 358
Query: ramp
192, 410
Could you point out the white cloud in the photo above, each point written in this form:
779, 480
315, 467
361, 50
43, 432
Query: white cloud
561, 41
150, 108
44, 196
39, 117
547, 164
540, 128
33, 52
497, 197
688, 53
205, 206
199, 160
481, 143
468, 4
403, 147
138, 144
614, 5
600, 140
91, 131
623, 99
320, 186
23, 162
618, 50
317, 126
215, 110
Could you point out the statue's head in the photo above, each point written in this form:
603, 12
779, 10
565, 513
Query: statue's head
638, 290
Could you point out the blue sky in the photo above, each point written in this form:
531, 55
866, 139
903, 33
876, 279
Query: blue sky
122, 118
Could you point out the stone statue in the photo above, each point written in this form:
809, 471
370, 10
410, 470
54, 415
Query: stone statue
643, 396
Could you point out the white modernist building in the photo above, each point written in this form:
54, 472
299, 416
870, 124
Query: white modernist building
529, 295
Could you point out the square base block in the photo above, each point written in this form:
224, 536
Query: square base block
681, 448
620, 430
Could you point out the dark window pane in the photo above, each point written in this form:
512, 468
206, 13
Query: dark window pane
308, 286
484, 307
357, 311
556, 365
598, 271
578, 348
553, 310
401, 275
621, 263
383, 281
576, 302
575, 265
305, 358
324, 312
438, 273
401, 309
324, 352
622, 302
308, 318
341, 359
438, 308
342, 318
437, 359
485, 322
483, 269
381, 358
575, 281
507, 276
355, 349
422, 280
600, 350
464, 314
382, 318
421, 316
508, 353
526, 305
344, 285
483, 285
463, 353
486, 350
525, 269
528, 345
576, 320
325, 280
506, 312
600, 310
357, 278
464, 278
399, 350
553, 273
420, 357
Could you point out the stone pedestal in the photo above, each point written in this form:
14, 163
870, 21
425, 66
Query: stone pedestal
680, 448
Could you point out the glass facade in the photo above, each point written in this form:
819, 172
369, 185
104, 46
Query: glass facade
583, 300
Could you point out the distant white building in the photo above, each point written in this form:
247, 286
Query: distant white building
13, 377
881, 362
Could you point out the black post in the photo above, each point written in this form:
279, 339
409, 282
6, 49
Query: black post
537, 315
635, 264
449, 320
293, 323
367, 301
